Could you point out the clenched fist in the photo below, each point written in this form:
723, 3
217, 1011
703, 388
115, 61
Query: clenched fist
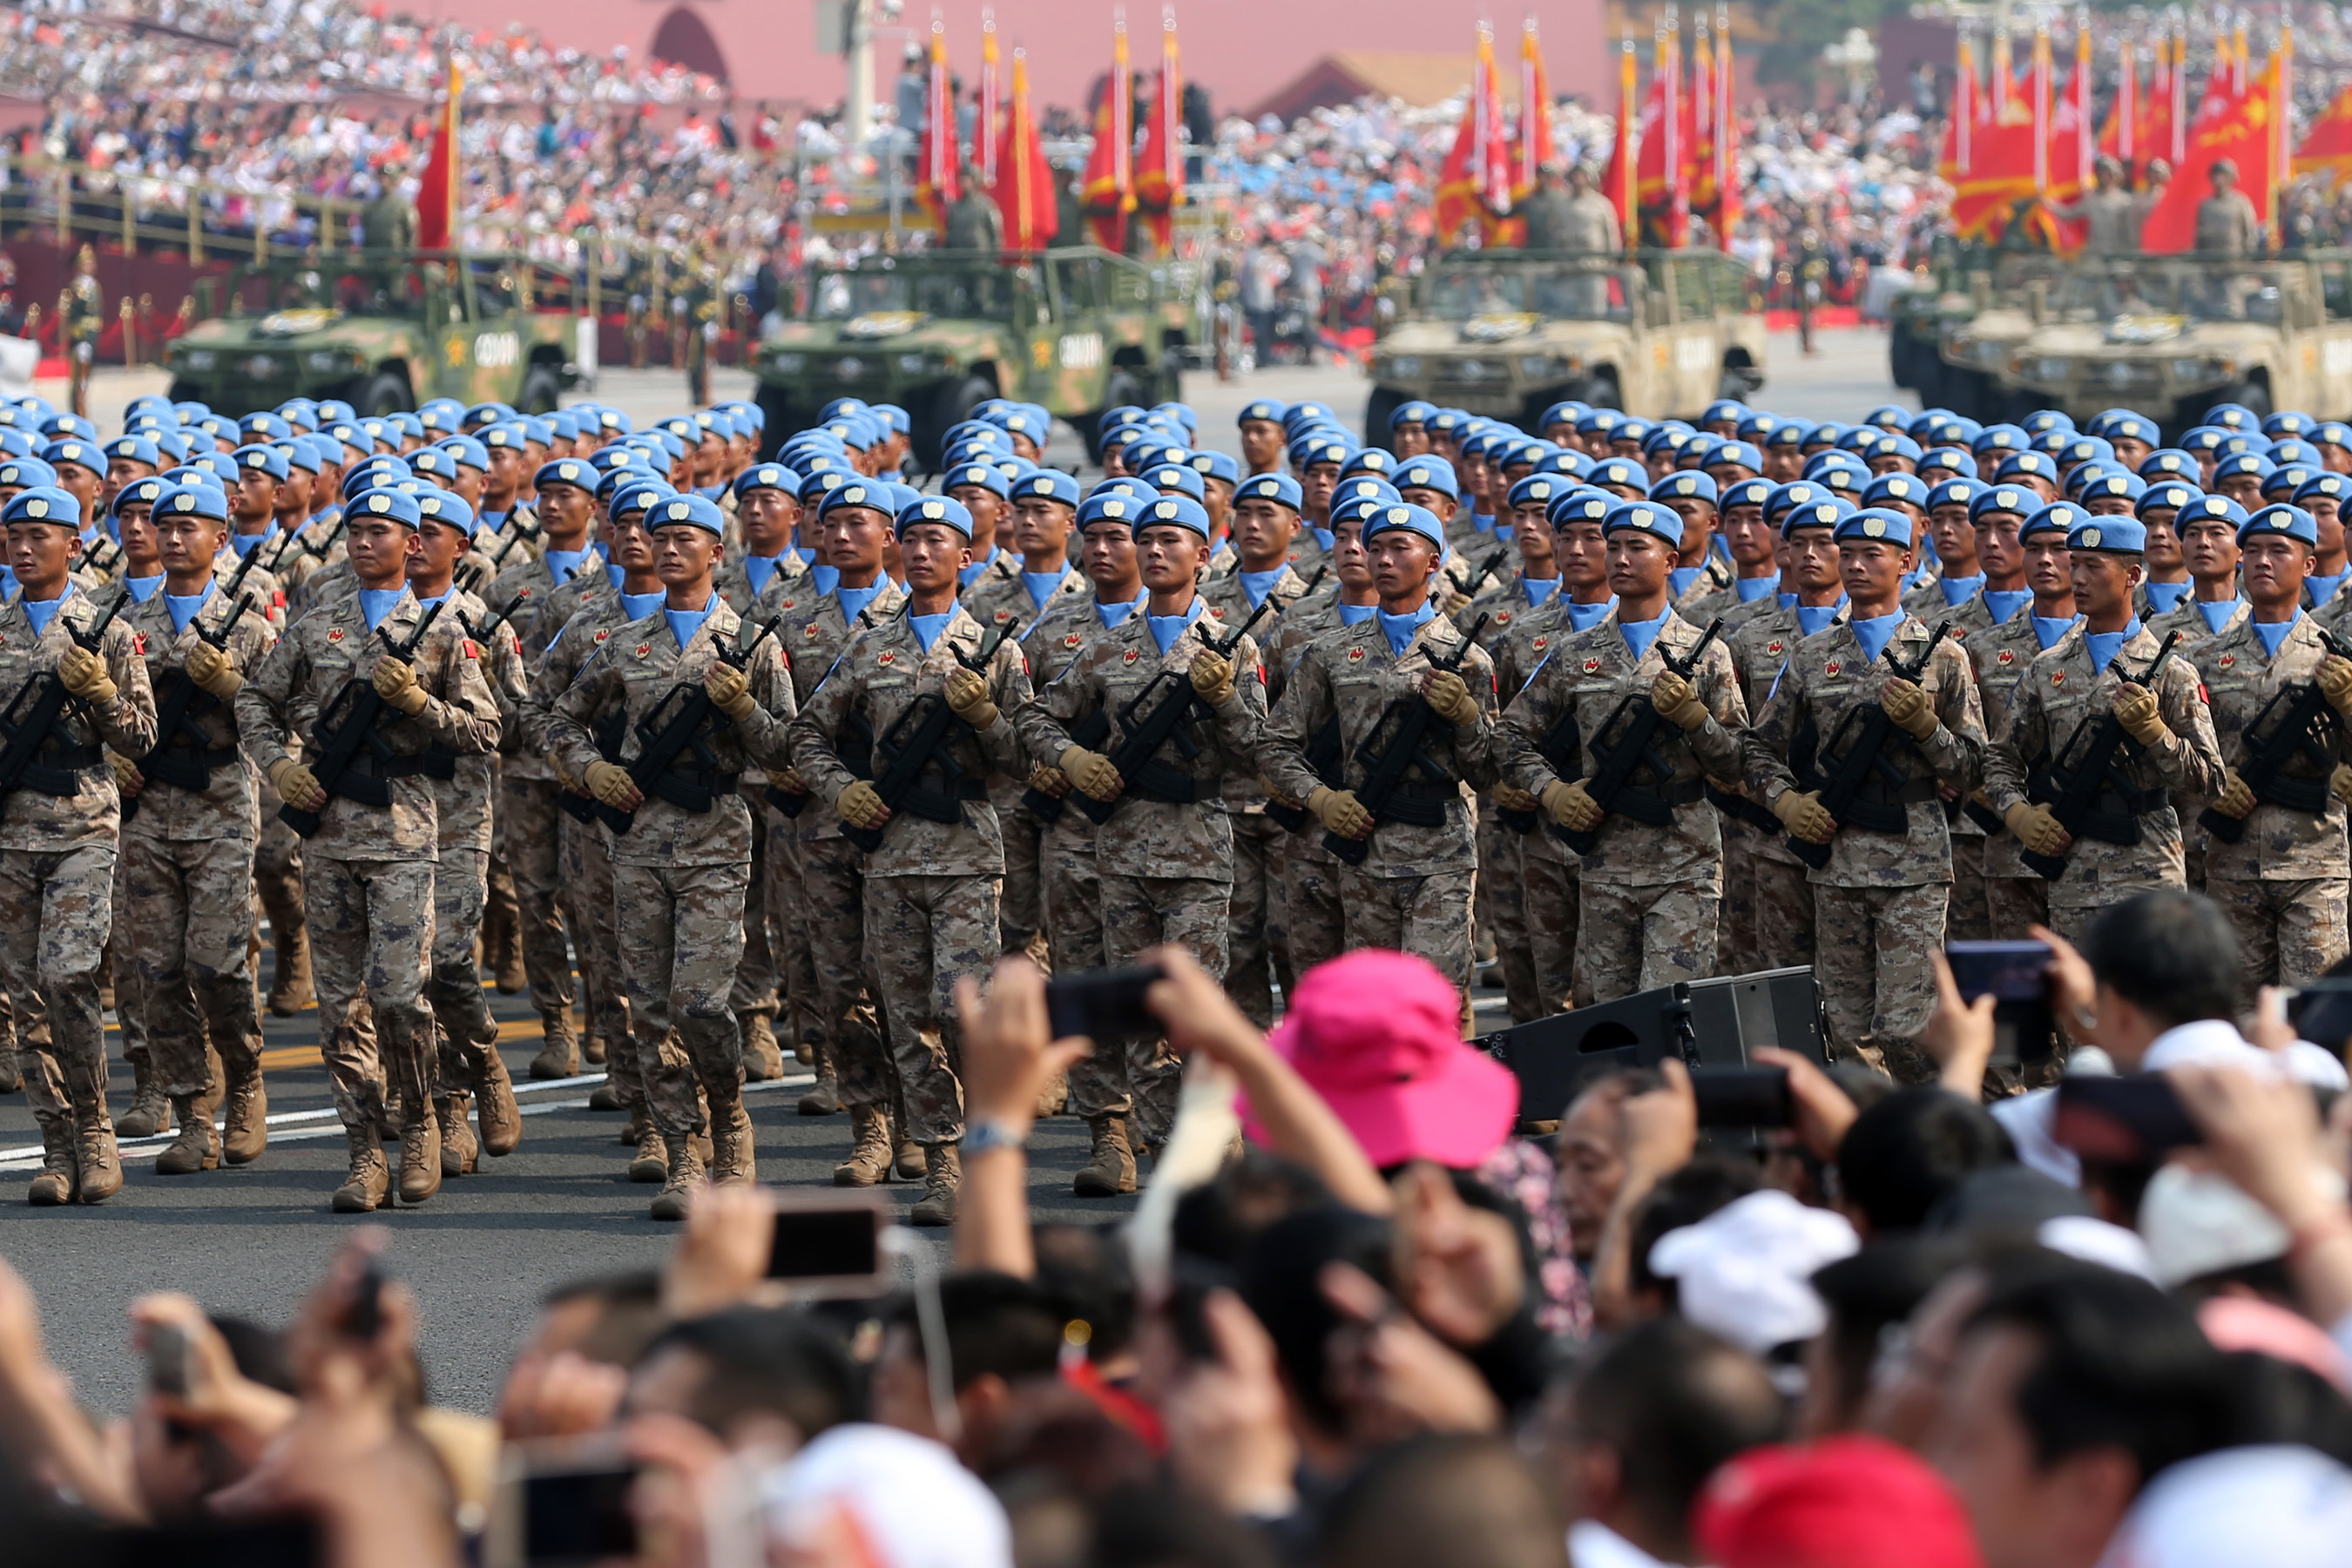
1570, 806
2333, 680
2136, 710
128, 780
1448, 696
1213, 678
1341, 812
397, 684
1803, 815
1511, 797
2339, 784
730, 691
609, 783
84, 674
968, 698
2237, 796
1051, 782
861, 806
788, 779
1907, 705
2036, 828
1677, 702
209, 667
297, 786
1092, 771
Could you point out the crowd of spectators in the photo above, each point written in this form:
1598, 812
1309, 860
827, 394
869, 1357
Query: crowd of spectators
1365, 1315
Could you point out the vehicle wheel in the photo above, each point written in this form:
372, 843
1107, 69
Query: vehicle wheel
542, 390
953, 403
384, 393
1383, 403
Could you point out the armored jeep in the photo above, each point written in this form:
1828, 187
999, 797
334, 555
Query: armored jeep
2173, 335
1505, 333
383, 332
1076, 329
1978, 330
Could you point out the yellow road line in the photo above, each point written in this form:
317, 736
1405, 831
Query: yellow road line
307, 1055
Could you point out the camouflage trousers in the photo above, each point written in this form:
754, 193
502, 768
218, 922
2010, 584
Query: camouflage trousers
1023, 915
2289, 932
922, 934
1549, 881
756, 980
1736, 943
464, 1031
833, 926
1317, 929
1142, 1075
120, 971
588, 871
2013, 904
1074, 919
55, 912
1501, 909
1429, 916
679, 932
180, 917
1783, 901
371, 934
1637, 939
1971, 916
277, 865
543, 899
796, 972
1877, 980
1254, 915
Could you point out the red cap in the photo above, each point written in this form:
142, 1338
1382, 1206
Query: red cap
1845, 1502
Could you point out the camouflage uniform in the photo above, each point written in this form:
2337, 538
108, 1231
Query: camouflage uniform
2283, 883
1546, 869
1648, 895
1022, 915
1313, 928
368, 870
56, 877
1766, 892
1412, 891
679, 877
2015, 896
2059, 696
1165, 862
2190, 622
931, 888
1970, 918
1880, 902
1500, 901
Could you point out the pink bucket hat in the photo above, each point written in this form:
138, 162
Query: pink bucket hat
1379, 1035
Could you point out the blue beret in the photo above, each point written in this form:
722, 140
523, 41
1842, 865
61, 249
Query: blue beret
1642, 517
1908, 489
1320, 448
2059, 516
135, 449
611, 483
1284, 491
139, 492
1739, 452
1563, 413
1959, 490
439, 462
1846, 478
314, 453
2108, 536
1405, 515
1584, 505
577, 472
1381, 460
2000, 438
1428, 474
1947, 460
2127, 486
825, 478
2172, 493
1214, 465
2018, 465
2203, 439
1875, 524
1268, 410
1447, 420
1824, 512
1177, 510
1052, 484
1622, 472
1747, 492
2210, 509
1755, 426
1565, 460
767, 477
1888, 416
1416, 412
1685, 486
2290, 449
1181, 478
264, 426
76, 450
1539, 490
180, 501
686, 510
635, 490
2085, 449
2014, 499
2287, 422
1797, 492
440, 413
1299, 416
2238, 463
2041, 421
982, 475
2333, 432
1723, 410
2287, 478
44, 503
1894, 443
2169, 462
482, 414
873, 494
839, 406
263, 458
2233, 416
74, 425
1365, 487
2291, 520
466, 450
2330, 486
386, 501
1599, 422
446, 507
1788, 433
1110, 503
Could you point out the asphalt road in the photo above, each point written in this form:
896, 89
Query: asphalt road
481, 1253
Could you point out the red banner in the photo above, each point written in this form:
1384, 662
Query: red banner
1110, 169
1024, 184
1476, 180
937, 178
1160, 172
437, 197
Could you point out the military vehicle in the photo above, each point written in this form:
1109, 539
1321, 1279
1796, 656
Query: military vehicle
1978, 329
1076, 329
2173, 335
381, 332
1507, 332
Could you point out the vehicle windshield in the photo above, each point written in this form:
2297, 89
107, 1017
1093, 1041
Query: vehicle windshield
964, 291
2206, 291
1592, 290
379, 290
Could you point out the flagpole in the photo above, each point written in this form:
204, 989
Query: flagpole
2129, 88
1627, 147
986, 133
1727, 166
2040, 107
1964, 105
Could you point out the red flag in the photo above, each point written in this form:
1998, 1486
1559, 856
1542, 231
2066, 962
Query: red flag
1665, 163
1476, 180
1727, 136
1701, 155
938, 182
1160, 172
985, 136
1957, 154
2066, 166
437, 197
1534, 116
1110, 169
1617, 182
2328, 150
1024, 184
2002, 150
2124, 137
2220, 130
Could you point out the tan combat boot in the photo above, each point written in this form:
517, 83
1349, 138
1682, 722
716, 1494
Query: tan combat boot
60, 1176
247, 1131
420, 1156
459, 1151
289, 985
733, 1159
198, 1146
364, 1190
651, 1161
494, 1105
869, 1156
1111, 1172
824, 1097
593, 1050
943, 1175
763, 1059
684, 1178
560, 1057
149, 1112
94, 1151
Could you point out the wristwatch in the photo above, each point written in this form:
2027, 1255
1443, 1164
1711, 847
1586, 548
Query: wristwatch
981, 1137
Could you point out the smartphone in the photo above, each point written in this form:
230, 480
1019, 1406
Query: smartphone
830, 1244
2322, 1012
250, 1543
563, 1504
1103, 1004
365, 1319
1742, 1096
2016, 975
167, 1358
2136, 1120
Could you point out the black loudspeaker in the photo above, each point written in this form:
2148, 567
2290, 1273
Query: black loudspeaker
1715, 1022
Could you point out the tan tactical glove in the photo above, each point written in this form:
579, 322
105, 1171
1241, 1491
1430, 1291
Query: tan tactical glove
297, 786
787, 780
1672, 696
2339, 784
1341, 812
2036, 828
1274, 792
1802, 814
1570, 806
968, 698
1448, 696
1511, 797
1047, 781
128, 779
209, 667
729, 689
860, 805
609, 783
1908, 706
1092, 771
397, 684
1213, 678
84, 674
2334, 682
2136, 710
2237, 796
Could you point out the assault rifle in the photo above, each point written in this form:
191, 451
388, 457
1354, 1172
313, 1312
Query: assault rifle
33, 712
673, 728
784, 800
188, 765
1406, 723
908, 749
346, 726
1635, 724
2292, 725
1870, 728
2074, 791
473, 577
1149, 721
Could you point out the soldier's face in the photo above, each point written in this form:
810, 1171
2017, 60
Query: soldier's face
1638, 563
1891, 463
767, 516
2103, 582
1873, 570
185, 543
506, 470
2131, 451
1170, 557
684, 555
1413, 440
255, 497
380, 548
294, 494
1262, 444
1041, 526
1997, 548
565, 511
2246, 489
1263, 530
1751, 543
2049, 565
987, 511
2276, 565
2328, 513
120, 472
41, 554
1699, 525
1349, 560
1403, 563
2209, 549
1583, 554
1531, 532
1813, 560
2109, 506
439, 548
82, 484
470, 483
854, 538
1316, 488
627, 543
1437, 501
931, 554
1106, 555
1783, 465
1955, 540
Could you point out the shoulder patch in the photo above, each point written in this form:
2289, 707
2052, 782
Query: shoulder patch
471, 650
1832, 668
1540, 644
1354, 654
1074, 639
334, 633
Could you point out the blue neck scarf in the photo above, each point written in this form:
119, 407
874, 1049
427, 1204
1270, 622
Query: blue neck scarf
41, 612
142, 588
184, 606
2273, 633
1875, 633
1043, 585
1539, 590
2323, 588
971, 574
377, 603
2048, 630
2163, 597
1166, 629
1356, 614
1812, 619
1639, 635
1323, 536
565, 564
616, 575
1680, 578
683, 624
1959, 590
2004, 602
1399, 629
2217, 613
637, 607
1482, 524
245, 543
1258, 585
1584, 617
759, 569
1113, 616
1751, 589
852, 601
827, 578
929, 627
2105, 646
